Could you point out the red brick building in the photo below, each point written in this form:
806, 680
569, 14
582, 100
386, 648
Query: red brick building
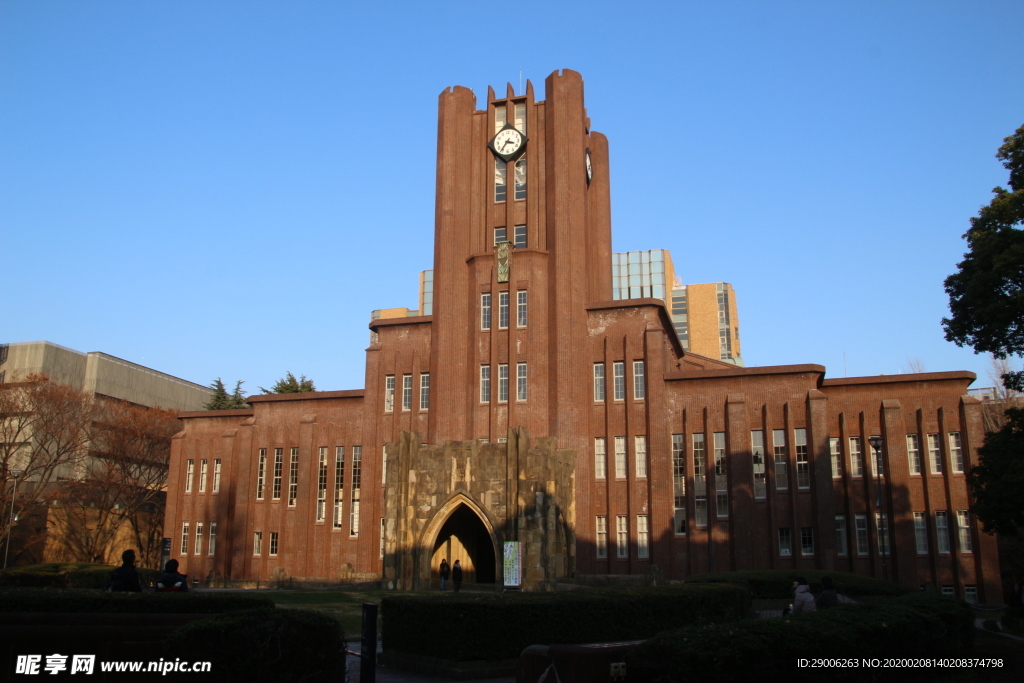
531, 407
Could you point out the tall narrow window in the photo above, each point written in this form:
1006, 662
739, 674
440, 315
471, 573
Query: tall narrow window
921, 533
190, 469
781, 459
216, 475
500, 235
679, 483
639, 385
963, 524
699, 465
321, 486
882, 527
841, 540
956, 452
643, 543
406, 392
803, 465
339, 486
520, 176
503, 303
640, 454
424, 391
914, 453
785, 542
261, 474
877, 466
389, 393
619, 380
500, 117
520, 117
485, 383
293, 478
485, 311
520, 381
837, 457
278, 470
942, 532
381, 539
521, 308
500, 180
861, 528
184, 538
598, 381
203, 467
700, 512
602, 536
935, 453
971, 595
273, 543
600, 458
856, 459
212, 545
519, 237
721, 477
620, 457
622, 536
357, 470
199, 538
757, 451
807, 540
257, 543
502, 382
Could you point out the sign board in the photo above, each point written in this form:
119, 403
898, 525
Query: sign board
165, 552
513, 565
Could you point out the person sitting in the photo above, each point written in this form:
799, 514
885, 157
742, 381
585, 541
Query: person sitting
171, 580
828, 597
803, 601
125, 578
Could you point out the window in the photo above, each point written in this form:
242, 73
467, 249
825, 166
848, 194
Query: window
520, 381
502, 383
199, 538
321, 486
184, 538
339, 485
942, 532
357, 466
619, 380
721, 477
598, 381
216, 475
485, 383
882, 527
856, 461
622, 536
600, 458
956, 452
519, 235
203, 466
948, 591
293, 478
935, 453
803, 466
500, 180
781, 462
785, 542
278, 469
381, 539
425, 391
837, 458
700, 512
807, 540
485, 311
914, 453
620, 457
699, 464
679, 483
212, 545
389, 393
921, 533
963, 523
520, 117
757, 451
189, 472
639, 386
499, 235
520, 180
406, 392
500, 117
521, 308
971, 595
861, 528
841, 539
502, 310
877, 466
261, 475
602, 536
273, 543
640, 454
643, 543
257, 543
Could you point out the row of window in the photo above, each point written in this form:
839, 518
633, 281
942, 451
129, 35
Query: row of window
601, 457
485, 383
941, 525
257, 543
204, 470
619, 381
643, 542
503, 309
407, 392
211, 543
914, 461
338, 509
518, 236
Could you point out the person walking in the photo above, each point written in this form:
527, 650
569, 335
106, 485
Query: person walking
803, 601
445, 572
457, 575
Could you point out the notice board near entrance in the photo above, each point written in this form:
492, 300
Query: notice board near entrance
513, 565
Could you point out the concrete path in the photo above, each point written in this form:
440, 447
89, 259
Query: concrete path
388, 675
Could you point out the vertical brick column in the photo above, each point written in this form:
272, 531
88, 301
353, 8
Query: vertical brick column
741, 480
902, 546
823, 490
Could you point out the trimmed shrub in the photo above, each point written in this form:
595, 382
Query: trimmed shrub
273, 645
500, 626
85, 600
915, 625
67, 575
778, 584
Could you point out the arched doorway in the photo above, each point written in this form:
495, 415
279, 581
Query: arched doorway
464, 537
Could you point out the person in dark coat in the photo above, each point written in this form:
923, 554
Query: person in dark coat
457, 575
171, 580
445, 571
125, 578
828, 597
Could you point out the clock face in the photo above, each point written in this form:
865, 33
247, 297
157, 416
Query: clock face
508, 143
590, 168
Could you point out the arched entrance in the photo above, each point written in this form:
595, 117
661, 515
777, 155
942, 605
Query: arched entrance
464, 537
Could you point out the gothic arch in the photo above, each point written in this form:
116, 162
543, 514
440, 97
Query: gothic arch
429, 535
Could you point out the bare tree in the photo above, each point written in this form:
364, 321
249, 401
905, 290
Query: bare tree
915, 365
994, 410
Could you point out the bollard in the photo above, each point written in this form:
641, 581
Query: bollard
368, 656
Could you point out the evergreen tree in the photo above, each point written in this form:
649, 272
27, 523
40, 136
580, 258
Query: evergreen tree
237, 399
221, 400
289, 385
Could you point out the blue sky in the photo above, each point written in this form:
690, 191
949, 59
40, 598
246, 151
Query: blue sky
229, 188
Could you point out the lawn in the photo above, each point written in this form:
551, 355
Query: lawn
344, 606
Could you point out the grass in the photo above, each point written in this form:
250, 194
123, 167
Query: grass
344, 606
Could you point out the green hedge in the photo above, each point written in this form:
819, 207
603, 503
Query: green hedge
773, 583
501, 626
276, 646
914, 625
85, 600
67, 575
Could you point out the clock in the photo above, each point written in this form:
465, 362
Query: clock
590, 167
508, 143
